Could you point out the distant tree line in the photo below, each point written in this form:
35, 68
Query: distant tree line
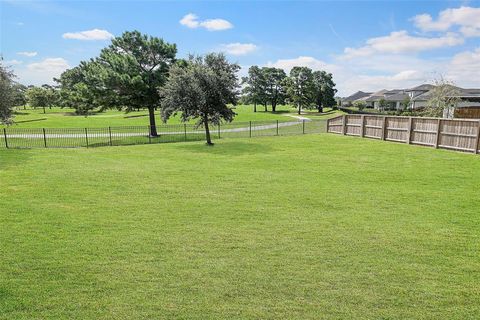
138, 71
303, 88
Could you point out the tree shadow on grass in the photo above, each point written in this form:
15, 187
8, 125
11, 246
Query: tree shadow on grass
228, 148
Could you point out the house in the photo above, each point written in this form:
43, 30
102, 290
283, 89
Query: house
354, 97
417, 98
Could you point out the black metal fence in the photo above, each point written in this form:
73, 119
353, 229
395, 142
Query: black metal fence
12, 137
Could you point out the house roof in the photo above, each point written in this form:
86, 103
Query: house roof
376, 95
357, 95
397, 97
422, 87
395, 91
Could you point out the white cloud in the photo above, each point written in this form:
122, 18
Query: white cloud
49, 64
302, 61
41, 72
238, 49
13, 62
94, 34
27, 53
401, 42
463, 68
466, 18
191, 21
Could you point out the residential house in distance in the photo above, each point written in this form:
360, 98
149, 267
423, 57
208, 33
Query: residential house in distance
417, 98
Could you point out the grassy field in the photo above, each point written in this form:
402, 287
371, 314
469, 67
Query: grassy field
305, 227
66, 118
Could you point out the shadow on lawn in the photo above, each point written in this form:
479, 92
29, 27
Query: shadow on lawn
230, 148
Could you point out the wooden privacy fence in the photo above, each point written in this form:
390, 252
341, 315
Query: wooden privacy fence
455, 134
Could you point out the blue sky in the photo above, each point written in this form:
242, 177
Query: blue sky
366, 45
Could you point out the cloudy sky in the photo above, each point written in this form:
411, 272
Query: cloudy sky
366, 45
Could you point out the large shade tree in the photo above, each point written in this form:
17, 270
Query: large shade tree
41, 97
255, 87
7, 94
126, 75
274, 83
299, 86
201, 89
323, 90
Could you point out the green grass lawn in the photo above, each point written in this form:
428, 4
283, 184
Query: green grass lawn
305, 227
66, 118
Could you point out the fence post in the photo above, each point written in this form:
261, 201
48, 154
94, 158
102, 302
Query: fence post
344, 124
44, 138
277, 127
477, 141
86, 137
362, 128
384, 127
437, 138
250, 129
185, 131
303, 126
110, 135
5, 136
409, 133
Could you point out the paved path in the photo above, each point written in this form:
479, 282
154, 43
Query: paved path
255, 127
298, 117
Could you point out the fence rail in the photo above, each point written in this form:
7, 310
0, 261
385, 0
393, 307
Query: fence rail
12, 137
454, 134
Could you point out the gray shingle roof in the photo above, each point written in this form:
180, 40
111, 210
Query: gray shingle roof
357, 95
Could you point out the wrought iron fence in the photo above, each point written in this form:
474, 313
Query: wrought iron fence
13, 137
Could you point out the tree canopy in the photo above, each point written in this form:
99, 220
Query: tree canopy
126, 75
323, 89
202, 90
7, 94
299, 86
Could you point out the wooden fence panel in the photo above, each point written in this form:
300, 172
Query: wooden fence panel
397, 129
459, 135
373, 127
335, 125
424, 131
353, 125
456, 134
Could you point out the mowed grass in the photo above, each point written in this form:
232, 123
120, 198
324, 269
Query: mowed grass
305, 227
66, 118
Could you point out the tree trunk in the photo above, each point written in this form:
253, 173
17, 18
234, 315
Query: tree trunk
274, 106
153, 126
320, 108
254, 107
299, 109
265, 104
44, 110
207, 133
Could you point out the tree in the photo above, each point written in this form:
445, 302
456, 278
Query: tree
300, 87
7, 94
77, 92
382, 104
443, 97
360, 104
201, 90
19, 98
406, 102
274, 80
41, 97
255, 86
323, 90
126, 75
